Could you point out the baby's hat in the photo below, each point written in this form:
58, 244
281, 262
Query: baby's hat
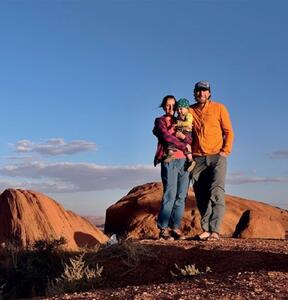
183, 102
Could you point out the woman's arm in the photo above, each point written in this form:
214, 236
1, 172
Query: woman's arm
160, 130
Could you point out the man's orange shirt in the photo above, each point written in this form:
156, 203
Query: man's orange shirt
212, 129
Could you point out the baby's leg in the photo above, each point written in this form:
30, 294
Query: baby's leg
190, 163
188, 152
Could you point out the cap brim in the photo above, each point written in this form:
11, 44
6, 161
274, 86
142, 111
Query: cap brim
201, 88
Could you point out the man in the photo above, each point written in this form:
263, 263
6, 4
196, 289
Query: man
212, 143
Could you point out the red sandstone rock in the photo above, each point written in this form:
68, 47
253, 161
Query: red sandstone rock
27, 216
135, 216
259, 225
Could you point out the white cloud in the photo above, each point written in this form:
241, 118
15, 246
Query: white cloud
71, 177
63, 177
281, 154
44, 186
238, 178
19, 158
53, 147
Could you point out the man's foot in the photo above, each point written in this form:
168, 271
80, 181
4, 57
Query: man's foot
204, 236
190, 165
165, 235
214, 236
177, 234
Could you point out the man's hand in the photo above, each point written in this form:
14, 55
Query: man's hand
180, 135
221, 153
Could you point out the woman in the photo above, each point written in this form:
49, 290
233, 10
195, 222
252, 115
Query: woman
174, 177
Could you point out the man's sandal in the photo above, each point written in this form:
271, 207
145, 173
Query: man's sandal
204, 236
214, 236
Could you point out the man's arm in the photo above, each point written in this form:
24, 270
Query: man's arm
161, 132
227, 129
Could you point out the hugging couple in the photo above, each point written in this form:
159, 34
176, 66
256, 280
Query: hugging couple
195, 145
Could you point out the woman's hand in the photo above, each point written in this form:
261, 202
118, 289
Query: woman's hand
180, 135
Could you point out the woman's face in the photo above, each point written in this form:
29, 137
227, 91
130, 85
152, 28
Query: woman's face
169, 107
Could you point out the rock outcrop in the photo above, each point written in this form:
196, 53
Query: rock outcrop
28, 216
135, 216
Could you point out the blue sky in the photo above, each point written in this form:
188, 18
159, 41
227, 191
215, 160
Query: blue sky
81, 81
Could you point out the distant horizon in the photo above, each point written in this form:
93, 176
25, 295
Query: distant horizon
103, 215
104, 212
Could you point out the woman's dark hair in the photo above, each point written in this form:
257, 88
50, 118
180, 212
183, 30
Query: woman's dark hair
165, 99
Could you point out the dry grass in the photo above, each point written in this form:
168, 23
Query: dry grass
77, 276
129, 252
188, 270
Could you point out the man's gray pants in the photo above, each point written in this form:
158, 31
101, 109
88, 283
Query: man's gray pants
208, 180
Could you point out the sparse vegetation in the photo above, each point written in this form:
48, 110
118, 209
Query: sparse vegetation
188, 270
130, 253
146, 265
47, 269
77, 276
49, 245
25, 272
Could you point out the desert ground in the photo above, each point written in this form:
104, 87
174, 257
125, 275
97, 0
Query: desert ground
238, 269
249, 262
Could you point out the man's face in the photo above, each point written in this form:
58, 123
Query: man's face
169, 107
202, 96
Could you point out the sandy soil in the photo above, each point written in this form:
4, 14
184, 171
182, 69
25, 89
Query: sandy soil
241, 269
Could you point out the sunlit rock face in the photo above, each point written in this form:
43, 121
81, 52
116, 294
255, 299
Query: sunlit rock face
135, 215
27, 216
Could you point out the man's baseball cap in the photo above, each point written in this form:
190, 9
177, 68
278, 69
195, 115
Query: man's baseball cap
202, 85
183, 102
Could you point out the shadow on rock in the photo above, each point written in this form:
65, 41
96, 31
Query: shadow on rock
84, 240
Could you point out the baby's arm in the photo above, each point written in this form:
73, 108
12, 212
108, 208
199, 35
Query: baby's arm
188, 122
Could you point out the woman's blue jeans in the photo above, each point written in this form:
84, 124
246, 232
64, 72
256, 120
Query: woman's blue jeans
175, 186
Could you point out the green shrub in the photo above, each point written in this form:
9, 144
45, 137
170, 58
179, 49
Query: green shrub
49, 245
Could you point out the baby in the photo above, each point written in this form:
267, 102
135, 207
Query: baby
184, 124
